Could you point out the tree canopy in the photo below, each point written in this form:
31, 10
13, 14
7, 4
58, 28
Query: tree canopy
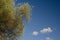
11, 22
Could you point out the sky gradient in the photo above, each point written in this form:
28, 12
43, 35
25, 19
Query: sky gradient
45, 13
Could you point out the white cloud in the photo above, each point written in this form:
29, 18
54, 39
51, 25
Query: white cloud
46, 30
48, 38
35, 33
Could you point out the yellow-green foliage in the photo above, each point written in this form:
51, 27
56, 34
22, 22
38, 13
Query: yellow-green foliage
11, 25
6, 8
25, 10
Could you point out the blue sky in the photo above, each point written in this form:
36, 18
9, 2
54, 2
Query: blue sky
45, 15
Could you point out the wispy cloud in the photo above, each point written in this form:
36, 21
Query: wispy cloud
46, 30
48, 38
35, 33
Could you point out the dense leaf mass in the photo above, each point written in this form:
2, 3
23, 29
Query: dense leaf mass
11, 23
